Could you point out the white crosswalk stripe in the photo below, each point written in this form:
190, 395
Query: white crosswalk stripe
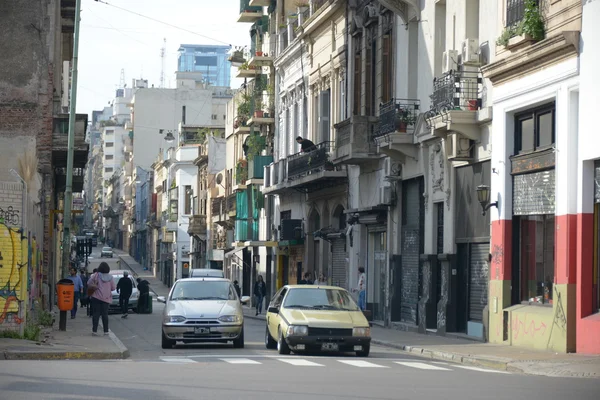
179, 360
420, 365
300, 362
239, 361
362, 364
494, 371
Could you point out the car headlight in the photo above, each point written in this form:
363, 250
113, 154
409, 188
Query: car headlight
229, 318
175, 318
361, 332
298, 330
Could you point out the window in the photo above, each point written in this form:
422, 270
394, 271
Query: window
214, 116
324, 115
387, 51
515, 10
187, 195
535, 129
536, 258
108, 169
183, 115
109, 132
109, 157
357, 84
109, 144
370, 61
342, 101
329, 299
283, 215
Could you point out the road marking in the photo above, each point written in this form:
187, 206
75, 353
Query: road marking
493, 371
299, 362
180, 360
361, 364
239, 361
420, 365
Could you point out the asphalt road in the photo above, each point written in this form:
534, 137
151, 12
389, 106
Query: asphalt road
221, 372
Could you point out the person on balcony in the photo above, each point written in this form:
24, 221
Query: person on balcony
306, 145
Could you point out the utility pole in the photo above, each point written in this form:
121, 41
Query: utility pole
69, 187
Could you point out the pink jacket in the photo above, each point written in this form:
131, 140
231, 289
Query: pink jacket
106, 285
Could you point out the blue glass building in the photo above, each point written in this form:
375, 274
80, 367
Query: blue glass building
210, 60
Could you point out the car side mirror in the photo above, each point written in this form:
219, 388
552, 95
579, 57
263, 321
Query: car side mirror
273, 310
245, 299
161, 299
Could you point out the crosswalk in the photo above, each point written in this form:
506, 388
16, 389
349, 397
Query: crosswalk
380, 363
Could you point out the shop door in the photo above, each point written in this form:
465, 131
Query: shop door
412, 242
376, 281
338, 263
478, 280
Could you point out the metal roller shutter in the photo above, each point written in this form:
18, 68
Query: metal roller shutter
338, 264
478, 280
411, 236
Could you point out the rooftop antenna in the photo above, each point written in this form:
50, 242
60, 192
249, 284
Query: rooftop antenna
162, 63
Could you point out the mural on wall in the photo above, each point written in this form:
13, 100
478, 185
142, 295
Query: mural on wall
11, 274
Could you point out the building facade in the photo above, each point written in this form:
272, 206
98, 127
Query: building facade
210, 60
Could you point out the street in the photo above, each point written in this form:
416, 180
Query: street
220, 371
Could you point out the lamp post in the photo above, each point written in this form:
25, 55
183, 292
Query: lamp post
483, 196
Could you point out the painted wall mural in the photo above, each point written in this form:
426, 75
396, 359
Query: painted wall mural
13, 272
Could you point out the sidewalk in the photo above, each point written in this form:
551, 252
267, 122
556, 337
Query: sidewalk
494, 356
128, 262
76, 342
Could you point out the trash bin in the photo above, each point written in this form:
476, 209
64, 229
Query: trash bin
145, 304
65, 289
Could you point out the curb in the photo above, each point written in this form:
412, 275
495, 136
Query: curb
121, 354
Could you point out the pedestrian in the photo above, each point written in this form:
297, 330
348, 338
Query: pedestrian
260, 291
78, 291
361, 289
144, 300
305, 144
101, 285
237, 288
124, 288
90, 311
84, 297
322, 280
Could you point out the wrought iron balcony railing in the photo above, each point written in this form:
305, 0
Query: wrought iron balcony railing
515, 10
456, 90
397, 115
304, 162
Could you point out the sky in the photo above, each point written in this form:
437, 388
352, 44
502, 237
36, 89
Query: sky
112, 40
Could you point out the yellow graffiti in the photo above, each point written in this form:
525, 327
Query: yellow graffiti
12, 274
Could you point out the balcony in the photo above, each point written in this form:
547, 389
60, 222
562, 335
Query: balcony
192, 138
217, 206
197, 226
264, 107
249, 13
305, 172
247, 72
354, 140
241, 175
246, 230
455, 103
256, 169
231, 205
259, 59
60, 140
395, 134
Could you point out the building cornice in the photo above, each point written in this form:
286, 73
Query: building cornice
543, 54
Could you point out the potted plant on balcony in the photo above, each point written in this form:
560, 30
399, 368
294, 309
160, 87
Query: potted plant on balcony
404, 118
258, 104
241, 171
529, 29
255, 144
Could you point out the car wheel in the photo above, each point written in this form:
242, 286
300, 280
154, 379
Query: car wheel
282, 346
166, 342
365, 351
270, 343
239, 342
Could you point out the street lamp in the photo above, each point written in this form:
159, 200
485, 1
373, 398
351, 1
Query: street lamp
483, 196
169, 138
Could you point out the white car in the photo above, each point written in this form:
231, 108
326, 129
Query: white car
203, 310
135, 294
206, 273
106, 252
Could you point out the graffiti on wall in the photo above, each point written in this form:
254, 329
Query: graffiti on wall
11, 262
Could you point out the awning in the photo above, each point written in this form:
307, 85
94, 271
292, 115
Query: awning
232, 252
260, 243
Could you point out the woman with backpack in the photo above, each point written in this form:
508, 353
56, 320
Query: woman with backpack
100, 287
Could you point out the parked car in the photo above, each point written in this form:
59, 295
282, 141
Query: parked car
203, 310
135, 294
106, 252
316, 318
206, 273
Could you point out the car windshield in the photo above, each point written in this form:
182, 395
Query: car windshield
203, 290
106, 249
319, 298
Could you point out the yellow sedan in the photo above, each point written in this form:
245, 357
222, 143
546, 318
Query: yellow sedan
316, 318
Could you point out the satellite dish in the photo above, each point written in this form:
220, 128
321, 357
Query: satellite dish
219, 179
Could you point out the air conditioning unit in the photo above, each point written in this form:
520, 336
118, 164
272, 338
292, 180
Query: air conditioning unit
291, 229
386, 195
470, 51
458, 147
449, 60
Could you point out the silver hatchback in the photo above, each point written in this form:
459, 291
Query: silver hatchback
203, 310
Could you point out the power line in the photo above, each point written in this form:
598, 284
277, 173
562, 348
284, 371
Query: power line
163, 22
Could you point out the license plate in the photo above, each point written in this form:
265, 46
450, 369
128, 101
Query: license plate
330, 347
201, 331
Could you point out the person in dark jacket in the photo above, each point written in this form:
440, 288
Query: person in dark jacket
305, 144
144, 300
238, 289
124, 288
260, 291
